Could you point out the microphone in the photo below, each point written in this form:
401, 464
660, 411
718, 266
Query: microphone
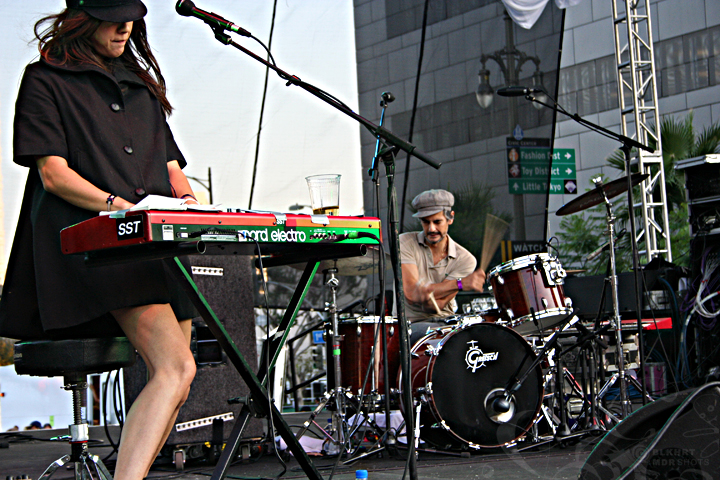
502, 404
516, 91
187, 8
604, 246
388, 97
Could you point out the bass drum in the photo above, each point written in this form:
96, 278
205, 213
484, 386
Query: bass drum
457, 373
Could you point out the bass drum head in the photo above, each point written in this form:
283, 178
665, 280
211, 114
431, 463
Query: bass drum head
473, 366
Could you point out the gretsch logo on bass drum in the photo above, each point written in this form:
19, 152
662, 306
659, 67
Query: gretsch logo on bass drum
475, 358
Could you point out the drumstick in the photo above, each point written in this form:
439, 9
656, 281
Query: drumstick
432, 299
495, 229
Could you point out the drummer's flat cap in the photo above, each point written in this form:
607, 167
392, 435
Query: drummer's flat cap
431, 202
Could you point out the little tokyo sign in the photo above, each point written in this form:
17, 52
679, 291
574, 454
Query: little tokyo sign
530, 166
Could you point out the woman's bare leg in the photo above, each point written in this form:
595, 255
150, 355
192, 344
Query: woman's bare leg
162, 343
186, 327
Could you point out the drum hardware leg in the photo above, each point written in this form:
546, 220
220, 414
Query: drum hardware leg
562, 429
442, 452
587, 341
593, 424
550, 418
579, 391
313, 415
502, 404
418, 407
367, 418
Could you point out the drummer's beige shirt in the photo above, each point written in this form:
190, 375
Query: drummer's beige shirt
458, 264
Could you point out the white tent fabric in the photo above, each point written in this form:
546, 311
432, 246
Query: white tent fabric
526, 12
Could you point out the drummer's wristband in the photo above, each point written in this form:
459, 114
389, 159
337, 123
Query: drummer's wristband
459, 284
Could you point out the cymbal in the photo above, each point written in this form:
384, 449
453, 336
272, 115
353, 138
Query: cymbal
349, 266
594, 197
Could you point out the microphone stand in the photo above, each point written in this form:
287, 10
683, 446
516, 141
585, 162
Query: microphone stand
502, 403
627, 145
390, 440
396, 143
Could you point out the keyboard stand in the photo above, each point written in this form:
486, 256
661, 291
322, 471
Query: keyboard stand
259, 395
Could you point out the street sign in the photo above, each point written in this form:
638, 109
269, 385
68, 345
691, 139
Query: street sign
530, 167
318, 337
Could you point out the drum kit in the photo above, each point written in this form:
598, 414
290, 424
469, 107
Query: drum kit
479, 379
462, 371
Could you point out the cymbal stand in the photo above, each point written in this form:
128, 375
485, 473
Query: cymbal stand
338, 414
588, 343
622, 376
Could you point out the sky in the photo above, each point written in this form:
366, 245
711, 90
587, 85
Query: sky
217, 93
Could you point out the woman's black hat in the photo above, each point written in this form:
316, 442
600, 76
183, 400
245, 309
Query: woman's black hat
116, 11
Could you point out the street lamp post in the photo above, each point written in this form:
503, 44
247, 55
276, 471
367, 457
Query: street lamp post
510, 60
205, 183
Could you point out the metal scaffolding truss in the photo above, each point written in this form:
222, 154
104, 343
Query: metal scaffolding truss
637, 95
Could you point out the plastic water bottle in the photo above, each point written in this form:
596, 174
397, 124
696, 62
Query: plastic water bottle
361, 474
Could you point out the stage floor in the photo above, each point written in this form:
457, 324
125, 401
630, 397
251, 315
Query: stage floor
32, 453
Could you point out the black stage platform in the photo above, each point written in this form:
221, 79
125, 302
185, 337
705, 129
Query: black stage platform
32, 453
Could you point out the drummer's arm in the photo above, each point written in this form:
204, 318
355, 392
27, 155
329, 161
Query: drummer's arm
446, 290
418, 293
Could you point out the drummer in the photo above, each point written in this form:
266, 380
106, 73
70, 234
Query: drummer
434, 267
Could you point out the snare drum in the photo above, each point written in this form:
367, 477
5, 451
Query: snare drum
358, 337
458, 372
529, 292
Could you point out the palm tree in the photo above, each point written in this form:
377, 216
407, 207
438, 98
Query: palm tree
679, 142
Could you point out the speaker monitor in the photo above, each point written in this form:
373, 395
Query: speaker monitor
677, 436
226, 284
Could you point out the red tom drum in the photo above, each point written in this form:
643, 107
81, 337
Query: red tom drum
358, 338
529, 292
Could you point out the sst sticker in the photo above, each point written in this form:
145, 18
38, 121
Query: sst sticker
131, 227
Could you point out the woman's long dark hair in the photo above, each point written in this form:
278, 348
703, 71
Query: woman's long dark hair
67, 41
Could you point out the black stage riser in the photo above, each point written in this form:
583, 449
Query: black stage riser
231, 298
673, 437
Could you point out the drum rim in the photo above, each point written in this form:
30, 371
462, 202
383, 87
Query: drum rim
370, 319
431, 399
548, 312
503, 267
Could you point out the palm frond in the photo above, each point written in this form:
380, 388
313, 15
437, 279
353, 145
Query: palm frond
708, 141
678, 138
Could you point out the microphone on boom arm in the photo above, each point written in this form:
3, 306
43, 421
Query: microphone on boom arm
187, 8
388, 97
517, 91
